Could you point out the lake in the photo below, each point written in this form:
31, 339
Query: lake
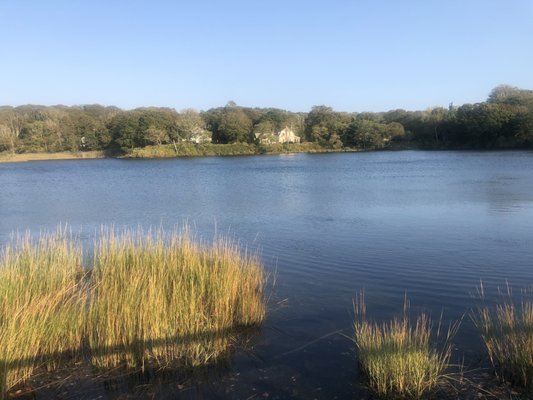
429, 225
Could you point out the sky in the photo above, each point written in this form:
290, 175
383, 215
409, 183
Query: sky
368, 55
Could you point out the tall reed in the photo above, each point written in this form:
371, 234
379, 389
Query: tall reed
507, 331
42, 304
148, 297
398, 358
165, 299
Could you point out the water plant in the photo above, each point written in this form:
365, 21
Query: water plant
166, 299
42, 304
507, 331
146, 298
397, 357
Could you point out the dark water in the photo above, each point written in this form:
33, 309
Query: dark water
429, 224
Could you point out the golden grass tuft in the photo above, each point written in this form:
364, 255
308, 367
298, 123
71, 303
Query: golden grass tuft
151, 297
42, 305
165, 299
398, 358
507, 331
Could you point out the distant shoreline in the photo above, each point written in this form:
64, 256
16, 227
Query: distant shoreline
64, 155
220, 150
169, 151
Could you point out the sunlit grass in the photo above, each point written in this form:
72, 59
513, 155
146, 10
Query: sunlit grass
167, 299
507, 331
42, 305
147, 297
398, 357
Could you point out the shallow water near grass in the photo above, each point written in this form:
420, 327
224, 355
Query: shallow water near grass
427, 224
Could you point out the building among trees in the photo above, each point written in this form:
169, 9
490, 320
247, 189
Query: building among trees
286, 135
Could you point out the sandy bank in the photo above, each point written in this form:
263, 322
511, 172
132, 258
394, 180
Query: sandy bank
66, 155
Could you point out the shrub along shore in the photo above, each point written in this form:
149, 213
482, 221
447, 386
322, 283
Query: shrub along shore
178, 150
148, 299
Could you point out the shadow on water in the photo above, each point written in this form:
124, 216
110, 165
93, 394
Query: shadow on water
76, 378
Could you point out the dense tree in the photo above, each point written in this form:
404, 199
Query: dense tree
233, 126
368, 134
488, 125
505, 120
189, 124
508, 94
7, 141
12, 122
325, 126
124, 129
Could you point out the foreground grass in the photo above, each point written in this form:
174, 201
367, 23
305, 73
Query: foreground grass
148, 298
397, 357
179, 303
42, 305
507, 331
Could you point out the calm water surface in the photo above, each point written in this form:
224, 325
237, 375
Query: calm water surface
429, 224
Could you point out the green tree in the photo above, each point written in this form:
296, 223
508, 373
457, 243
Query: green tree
234, 126
325, 126
189, 124
124, 129
156, 135
366, 134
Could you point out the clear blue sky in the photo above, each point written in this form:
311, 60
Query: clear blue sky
351, 55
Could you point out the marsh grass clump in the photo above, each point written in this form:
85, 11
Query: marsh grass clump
507, 331
168, 300
146, 298
42, 304
398, 357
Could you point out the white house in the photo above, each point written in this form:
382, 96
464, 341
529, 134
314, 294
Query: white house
286, 135
201, 137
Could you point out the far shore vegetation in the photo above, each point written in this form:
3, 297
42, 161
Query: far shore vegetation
147, 299
503, 121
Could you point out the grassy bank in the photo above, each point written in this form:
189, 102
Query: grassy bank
398, 357
66, 155
234, 149
179, 150
148, 298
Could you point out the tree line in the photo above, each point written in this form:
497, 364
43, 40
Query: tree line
504, 120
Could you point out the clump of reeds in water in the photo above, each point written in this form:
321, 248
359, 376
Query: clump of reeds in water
147, 297
398, 357
42, 304
507, 331
165, 299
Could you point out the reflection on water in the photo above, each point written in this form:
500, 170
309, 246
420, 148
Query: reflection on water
430, 224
